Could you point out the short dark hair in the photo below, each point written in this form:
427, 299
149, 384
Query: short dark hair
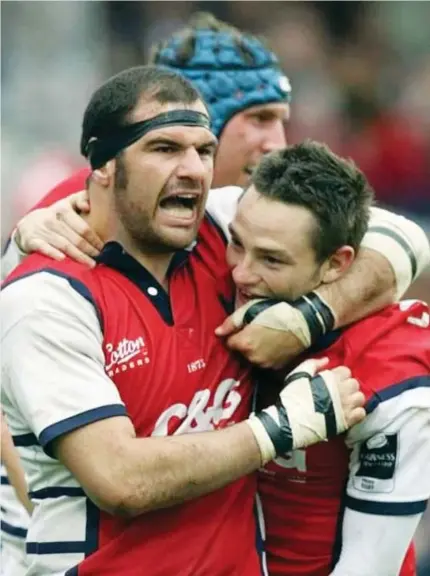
205, 21
332, 188
111, 104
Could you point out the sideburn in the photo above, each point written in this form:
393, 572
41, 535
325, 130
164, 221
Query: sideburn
121, 176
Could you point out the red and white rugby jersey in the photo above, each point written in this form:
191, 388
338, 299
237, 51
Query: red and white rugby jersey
164, 367
384, 463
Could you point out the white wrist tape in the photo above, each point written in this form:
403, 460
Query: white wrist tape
314, 409
309, 410
267, 448
280, 316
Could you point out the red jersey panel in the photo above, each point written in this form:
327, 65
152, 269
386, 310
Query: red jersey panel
174, 376
75, 183
302, 492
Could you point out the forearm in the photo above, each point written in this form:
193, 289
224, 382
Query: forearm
393, 253
168, 471
143, 474
367, 287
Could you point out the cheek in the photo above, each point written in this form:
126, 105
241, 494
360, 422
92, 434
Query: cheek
231, 257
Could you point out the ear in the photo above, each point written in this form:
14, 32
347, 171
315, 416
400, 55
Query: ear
338, 263
103, 176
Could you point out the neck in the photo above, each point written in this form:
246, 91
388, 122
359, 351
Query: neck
103, 220
157, 263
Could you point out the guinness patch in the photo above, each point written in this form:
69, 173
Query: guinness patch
377, 457
376, 464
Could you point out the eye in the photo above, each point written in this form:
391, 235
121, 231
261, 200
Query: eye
263, 117
235, 242
165, 148
272, 261
208, 151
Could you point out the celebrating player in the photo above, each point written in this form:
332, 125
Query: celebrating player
248, 127
314, 526
249, 120
106, 369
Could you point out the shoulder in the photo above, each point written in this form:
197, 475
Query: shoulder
221, 206
393, 330
41, 290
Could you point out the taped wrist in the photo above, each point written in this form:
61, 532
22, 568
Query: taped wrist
317, 313
308, 318
307, 411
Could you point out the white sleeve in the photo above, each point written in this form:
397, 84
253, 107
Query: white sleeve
53, 376
390, 459
374, 546
403, 243
12, 257
221, 206
388, 485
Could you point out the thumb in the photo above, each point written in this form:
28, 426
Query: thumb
320, 363
311, 366
227, 327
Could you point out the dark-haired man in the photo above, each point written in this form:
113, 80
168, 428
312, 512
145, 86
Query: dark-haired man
314, 526
107, 371
248, 98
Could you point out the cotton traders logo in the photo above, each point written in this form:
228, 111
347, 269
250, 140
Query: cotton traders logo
126, 355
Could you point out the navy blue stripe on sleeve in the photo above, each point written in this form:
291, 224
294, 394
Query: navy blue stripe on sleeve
84, 418
66, 547
92, 528
402, 242
56, 492
16, 531
386, 508
395, 390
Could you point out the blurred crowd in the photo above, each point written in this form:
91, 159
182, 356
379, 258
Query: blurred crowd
360, 73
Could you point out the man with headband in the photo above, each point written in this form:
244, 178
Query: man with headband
248, 97
107, 371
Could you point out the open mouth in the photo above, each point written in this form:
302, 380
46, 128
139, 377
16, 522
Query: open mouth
244, 297
180, 205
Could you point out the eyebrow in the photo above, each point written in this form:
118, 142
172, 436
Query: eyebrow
277, 253
213, 142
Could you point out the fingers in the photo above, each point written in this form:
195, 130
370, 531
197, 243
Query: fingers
353, 401
226, 328
43, 247
343, 372
58, 247
311, 366
78, 232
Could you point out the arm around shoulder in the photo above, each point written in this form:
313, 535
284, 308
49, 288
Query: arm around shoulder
393, 253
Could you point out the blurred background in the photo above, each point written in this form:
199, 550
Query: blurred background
360, 73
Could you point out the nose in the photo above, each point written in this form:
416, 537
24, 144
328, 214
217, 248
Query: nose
275, 137
192, 166
243, 275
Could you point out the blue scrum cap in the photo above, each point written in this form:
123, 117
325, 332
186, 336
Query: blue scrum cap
230, 75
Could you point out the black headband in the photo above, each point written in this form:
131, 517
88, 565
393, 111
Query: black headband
101, 150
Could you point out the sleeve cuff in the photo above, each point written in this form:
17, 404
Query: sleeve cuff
386, 508
58, 429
